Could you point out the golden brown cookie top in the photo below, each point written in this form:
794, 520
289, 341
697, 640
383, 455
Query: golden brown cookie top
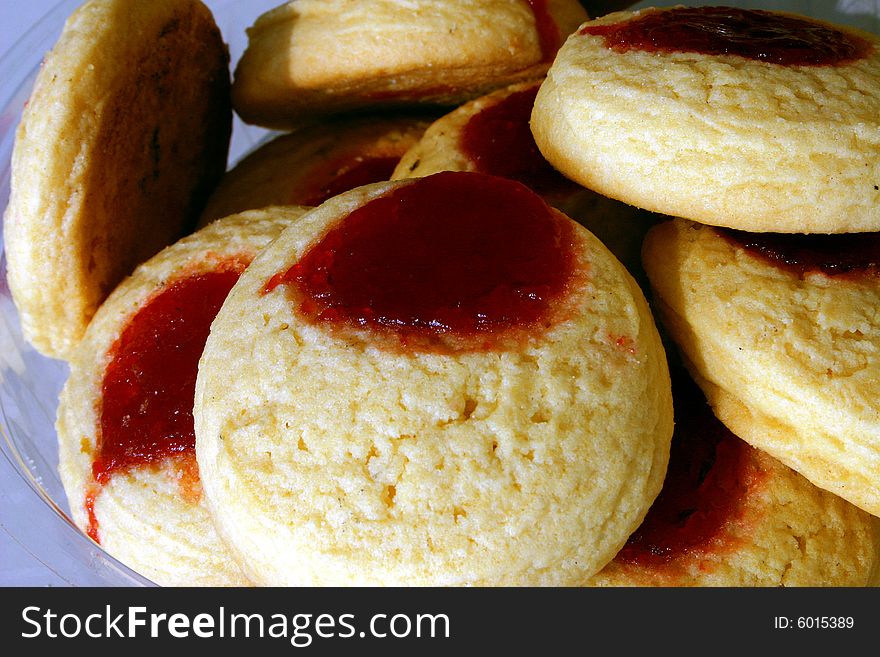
310, 58
489, 134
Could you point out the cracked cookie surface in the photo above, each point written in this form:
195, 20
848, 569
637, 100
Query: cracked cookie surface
330, 458
789, 362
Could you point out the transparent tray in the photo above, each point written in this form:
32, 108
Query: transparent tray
33, 506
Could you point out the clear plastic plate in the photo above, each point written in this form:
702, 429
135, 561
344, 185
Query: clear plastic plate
33, 506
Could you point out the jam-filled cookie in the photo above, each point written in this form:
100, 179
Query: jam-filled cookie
731, 515
312, 164
125, 427
310, 58
749, 119
439, 380
124, 136
781, 332
491, 134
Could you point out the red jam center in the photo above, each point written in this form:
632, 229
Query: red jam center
548, 31
450, 262
361, 170
710, 471
849, 254
499, 141
753, 34
92, 528
149, 384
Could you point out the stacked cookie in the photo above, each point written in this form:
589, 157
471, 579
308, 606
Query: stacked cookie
308, 166
310, 58
408, 344
758, 132
732, 515
125, 418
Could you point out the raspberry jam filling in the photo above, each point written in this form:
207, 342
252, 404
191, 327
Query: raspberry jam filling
850, 255
450, 262
149, 384
754, 34
359, 170
499, 141
710, 473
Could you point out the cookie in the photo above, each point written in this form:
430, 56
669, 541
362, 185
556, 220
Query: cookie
125, 429
476, 394
122, 139
308, 166
731, 515
492, 135
748, 119
310, 58
781, 333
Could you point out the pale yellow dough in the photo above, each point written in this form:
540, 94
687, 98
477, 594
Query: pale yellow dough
152, 518
309, 58
784, 531
330, 461
123, 137
722, 140
791, 365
